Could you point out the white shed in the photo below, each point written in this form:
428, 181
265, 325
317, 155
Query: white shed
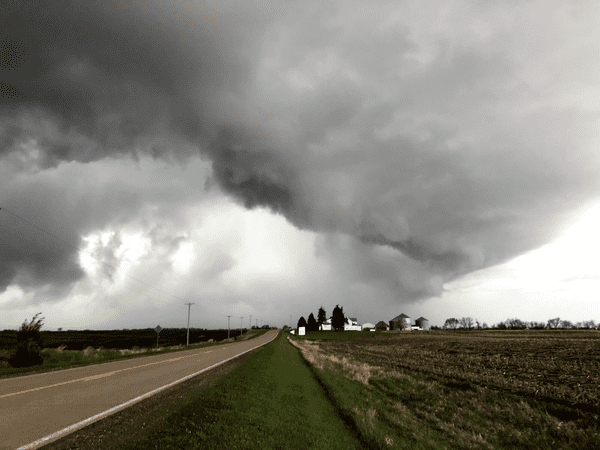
366, 326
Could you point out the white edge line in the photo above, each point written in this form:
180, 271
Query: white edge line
72, 427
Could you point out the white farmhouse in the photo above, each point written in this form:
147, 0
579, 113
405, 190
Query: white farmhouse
352, 325
326, 326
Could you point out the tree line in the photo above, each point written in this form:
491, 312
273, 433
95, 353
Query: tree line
338, 319
467, 323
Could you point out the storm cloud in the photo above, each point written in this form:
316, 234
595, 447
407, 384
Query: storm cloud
419, 143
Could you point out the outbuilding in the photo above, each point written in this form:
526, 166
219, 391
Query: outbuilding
403, 318
368, 326
424, 323
382, 326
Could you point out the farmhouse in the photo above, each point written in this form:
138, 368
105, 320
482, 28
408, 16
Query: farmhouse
352, 325
326, 326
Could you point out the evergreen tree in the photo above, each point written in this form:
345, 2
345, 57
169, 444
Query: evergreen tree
302, 322
312, 324
338, 319
321, 317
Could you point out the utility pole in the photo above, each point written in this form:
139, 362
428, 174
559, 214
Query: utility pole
250, 321
228, 326
241, 324
188, 330
256, 323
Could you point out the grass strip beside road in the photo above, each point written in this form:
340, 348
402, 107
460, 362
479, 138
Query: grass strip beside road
54, 359
271, 400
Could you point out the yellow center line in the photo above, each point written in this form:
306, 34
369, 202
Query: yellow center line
95, 377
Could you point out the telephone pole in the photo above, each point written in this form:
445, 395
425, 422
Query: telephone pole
256, 323
188, 330
241, 324
250, 321
228, 326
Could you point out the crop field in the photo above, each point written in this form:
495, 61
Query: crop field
478, 389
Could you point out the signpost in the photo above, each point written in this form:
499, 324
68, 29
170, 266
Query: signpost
157, 329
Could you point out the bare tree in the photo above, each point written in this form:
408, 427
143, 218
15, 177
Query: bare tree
451, 324
553, 323
566, 324
589, 324
515, 324
466, 323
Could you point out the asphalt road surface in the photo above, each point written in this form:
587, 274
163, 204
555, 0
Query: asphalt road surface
38, 409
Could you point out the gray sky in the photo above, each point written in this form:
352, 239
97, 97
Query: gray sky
270, 157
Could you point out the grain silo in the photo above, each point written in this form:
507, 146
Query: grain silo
424, 323
404, 318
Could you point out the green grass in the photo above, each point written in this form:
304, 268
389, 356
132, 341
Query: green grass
430, 391
272, 401
58, 359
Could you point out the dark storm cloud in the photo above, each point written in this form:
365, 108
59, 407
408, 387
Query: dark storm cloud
444, 162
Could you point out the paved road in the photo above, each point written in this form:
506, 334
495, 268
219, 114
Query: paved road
36, 406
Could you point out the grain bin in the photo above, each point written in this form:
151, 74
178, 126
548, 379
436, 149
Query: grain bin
424, 323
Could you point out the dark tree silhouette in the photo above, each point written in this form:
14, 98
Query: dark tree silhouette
312, 324
338, 319
302, 322
321, 317
29, 344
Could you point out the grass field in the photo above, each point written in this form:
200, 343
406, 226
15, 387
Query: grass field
61, 358
502, 389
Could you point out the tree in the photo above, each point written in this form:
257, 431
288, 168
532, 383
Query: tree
312, 324
515, 324
418, 323
484, 325
566, 324
321, 317
60, 329
553, 323
302, 322
451, 324
29, 344
466, 323
590, 324
338, 319
397, 325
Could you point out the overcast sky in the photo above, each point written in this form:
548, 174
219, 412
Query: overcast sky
266, 158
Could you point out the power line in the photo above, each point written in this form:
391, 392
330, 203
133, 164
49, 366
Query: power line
92, 256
